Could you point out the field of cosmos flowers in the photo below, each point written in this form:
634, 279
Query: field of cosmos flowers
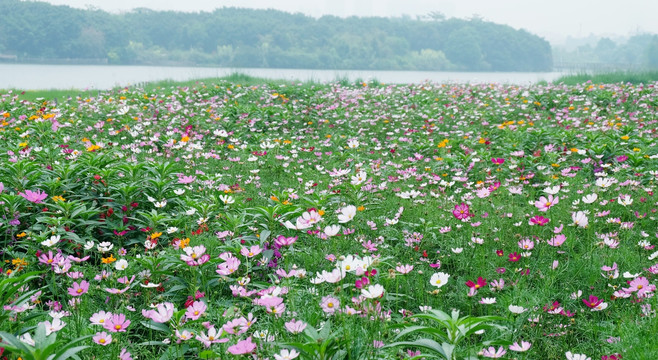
330, 221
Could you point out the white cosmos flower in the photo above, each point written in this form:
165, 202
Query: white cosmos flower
346, 214
227, 199
625, 200
373, 291
515, 309
121, 264
588, 199
580, 218
51, 241
104, 247
552, 190
439, 279
172, 230
332, 230
179, 191
571, 356
160, 204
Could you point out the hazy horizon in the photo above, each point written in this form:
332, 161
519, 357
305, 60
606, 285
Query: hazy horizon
554, 22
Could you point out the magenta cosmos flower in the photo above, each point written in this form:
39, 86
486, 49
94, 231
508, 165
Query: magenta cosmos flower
117, 323
461, 211
242, 347
538, 220
79, 289
34, 196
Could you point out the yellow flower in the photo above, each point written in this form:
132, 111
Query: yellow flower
93, 148
155, 235
185, 138
184, 243
58, 198
361, 208
23, 234
625, 137
321, 212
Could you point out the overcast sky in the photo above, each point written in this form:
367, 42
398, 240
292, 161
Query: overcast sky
551, 19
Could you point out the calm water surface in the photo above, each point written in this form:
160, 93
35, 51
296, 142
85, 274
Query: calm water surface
35, 77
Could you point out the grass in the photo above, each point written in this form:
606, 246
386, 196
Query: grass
235, 78
633, 77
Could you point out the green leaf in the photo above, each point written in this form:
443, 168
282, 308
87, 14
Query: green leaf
156, 326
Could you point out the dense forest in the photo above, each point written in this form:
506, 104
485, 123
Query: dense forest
234, 37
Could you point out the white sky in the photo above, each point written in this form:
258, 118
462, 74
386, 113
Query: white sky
551, 19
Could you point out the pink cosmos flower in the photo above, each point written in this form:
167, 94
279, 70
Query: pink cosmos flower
285, 241
498, 161
242, 347
236, 326
329, 304
404, 269
194, 256
491, 352
79, 289
50, 259
525, 346
526, 244
117, 323
252, 251
641, 285
557, 240
196, 310
161, 314
100, 318
543, 204
34, 196
538, 220
228, 267
54, 326
213, 337
102, 338
183, 179
461, 212
125, 355
295, 326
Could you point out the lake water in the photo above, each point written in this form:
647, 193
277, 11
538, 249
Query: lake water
36, 77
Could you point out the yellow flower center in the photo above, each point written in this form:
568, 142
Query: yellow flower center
102, 341
330, 305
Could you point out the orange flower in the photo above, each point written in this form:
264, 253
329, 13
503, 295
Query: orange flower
23, 234
155, 235
109, 260
361, 208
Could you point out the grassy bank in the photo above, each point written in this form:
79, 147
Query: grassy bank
234, 78
642, 77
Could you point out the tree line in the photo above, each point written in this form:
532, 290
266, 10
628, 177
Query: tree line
237, 37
